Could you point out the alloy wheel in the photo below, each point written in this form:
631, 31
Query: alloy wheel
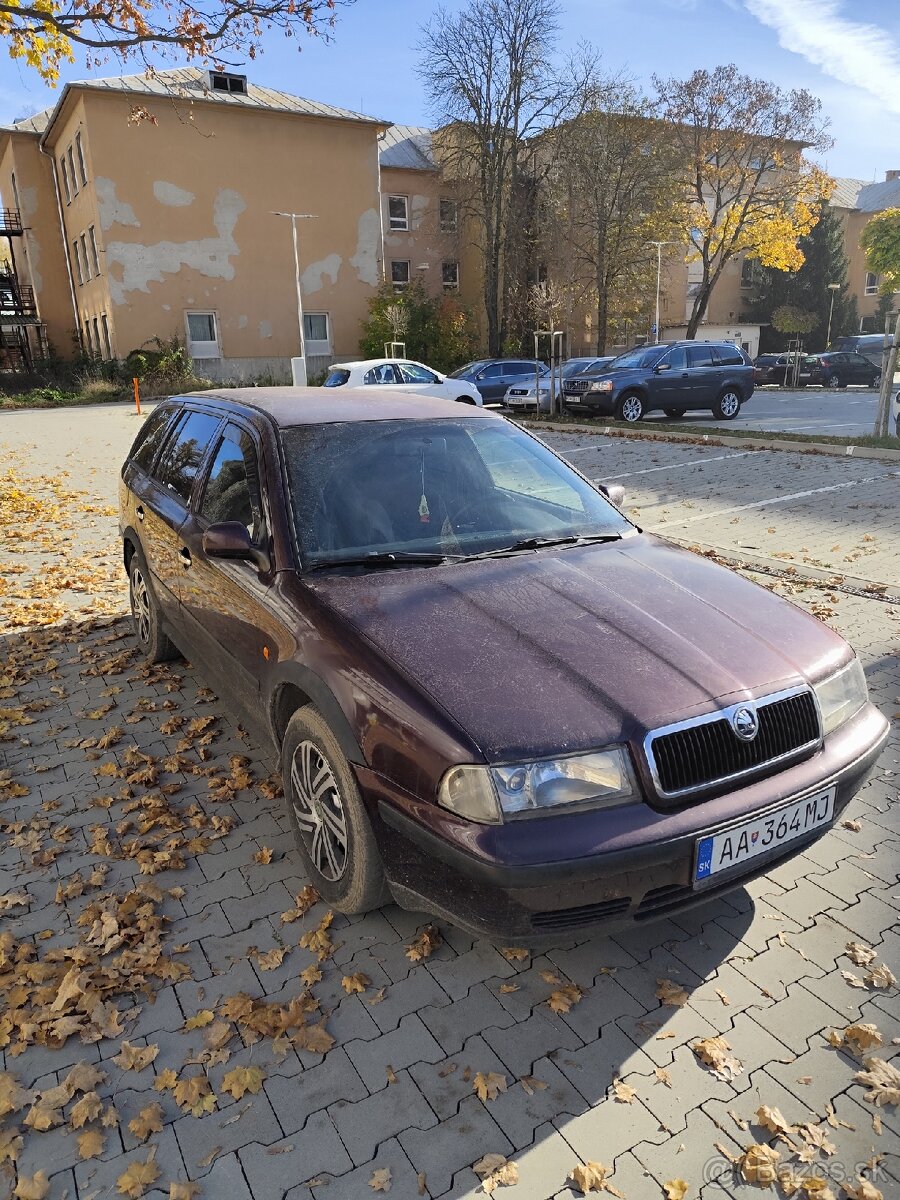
140, 605
319, 811
729, 404
632, 409
834, 381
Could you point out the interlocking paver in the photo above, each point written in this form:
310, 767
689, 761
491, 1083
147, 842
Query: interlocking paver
447, 1083
544, 1032
295, 1098
409, 1043
271, 1171
458, 975
365, 1123
452, 1024
417, 993
524, 1106
355, 1184
456, 1142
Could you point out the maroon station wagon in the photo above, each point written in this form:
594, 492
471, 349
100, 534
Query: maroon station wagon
495, 698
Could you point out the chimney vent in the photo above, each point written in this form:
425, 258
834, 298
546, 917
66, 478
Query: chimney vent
890, 176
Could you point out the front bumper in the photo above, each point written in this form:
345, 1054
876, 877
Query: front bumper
601, 404
492, 890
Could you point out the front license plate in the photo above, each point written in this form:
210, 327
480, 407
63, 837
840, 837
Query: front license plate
735, 846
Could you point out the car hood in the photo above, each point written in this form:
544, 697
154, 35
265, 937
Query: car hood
564, 650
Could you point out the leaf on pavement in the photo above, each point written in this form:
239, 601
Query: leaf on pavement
263, 856
564, 998
671, 993
195, 1095
355, 983
91, 1143
862, 1190
623, 1092
183, 1191
272, 959
859, 1038
138, 1178
883, 1081
494, 1171
165, 1080
88, 1108
880, 977
314, 1038
204, 1017
381, 1180
148, 1120
759, 1165
860, 953
135, 1058
32, 1187
771, 1119
310, 975
241, 1080
591, 1177
675, 1189
663, 1076
488, 1086
532, 1085
514, 954
714, 1052
12, 1097
11, 1143
424, 944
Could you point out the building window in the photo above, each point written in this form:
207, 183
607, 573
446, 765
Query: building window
316, 334
871, 283
78, 271
748, 272
86, 335
106, 338
65, 178
450, 276
84, 258
223, 81
97, 349
202, 334
73, 180
95, 257
398, 212
449, 215
79, 152
400, 275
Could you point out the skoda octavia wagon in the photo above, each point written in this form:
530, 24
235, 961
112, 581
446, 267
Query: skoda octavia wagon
495, 698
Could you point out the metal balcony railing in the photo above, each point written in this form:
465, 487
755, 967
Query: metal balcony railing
10, 222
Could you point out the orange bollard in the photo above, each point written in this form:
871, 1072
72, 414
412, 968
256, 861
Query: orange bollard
137, 396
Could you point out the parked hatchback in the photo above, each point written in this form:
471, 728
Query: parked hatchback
838, 368
780, 369
494, 376
672, 376
869, 345
495, 698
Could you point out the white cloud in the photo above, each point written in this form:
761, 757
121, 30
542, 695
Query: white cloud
863, 55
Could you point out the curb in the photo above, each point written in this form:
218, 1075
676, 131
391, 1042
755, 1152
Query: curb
717, 439
855, 585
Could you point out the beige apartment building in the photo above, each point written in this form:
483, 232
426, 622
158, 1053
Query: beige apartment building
856, 202
146, 210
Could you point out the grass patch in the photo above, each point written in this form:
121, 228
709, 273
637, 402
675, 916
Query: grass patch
95, 391
704, 436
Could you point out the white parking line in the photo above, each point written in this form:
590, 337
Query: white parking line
834, 487
578, 449
691, 462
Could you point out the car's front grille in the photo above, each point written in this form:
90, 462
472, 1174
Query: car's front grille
577, 385
518, 392
699, 754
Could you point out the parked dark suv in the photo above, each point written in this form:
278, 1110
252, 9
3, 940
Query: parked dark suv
494, 697
672, 376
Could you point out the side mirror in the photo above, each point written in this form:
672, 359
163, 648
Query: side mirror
660, 367
231, 539
614, 492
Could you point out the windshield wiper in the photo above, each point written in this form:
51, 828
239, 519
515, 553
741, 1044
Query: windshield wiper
380, 559
540, 543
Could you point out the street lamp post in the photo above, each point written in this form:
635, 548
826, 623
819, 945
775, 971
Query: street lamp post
298, 365
833, 288
659, 246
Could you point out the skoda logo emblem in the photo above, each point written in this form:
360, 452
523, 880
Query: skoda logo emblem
745, 724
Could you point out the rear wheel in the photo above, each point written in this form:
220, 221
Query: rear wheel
152, 638
675, 413
630, 408
728, 405
834, 381
328, 817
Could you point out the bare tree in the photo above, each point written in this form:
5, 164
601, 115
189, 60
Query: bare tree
751, 190
616, 187
488, 74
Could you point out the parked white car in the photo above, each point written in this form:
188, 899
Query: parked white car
401, 375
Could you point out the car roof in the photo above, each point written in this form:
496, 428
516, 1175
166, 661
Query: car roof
289, 406
373, 362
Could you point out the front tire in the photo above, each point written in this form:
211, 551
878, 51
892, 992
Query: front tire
728, 405
466, 400
153, 640
834, 381
630, 408
328, 818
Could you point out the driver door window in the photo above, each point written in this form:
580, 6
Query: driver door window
412, 373
232, 488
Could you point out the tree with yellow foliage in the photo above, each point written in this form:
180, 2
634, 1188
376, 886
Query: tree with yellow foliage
46, 33
750, 188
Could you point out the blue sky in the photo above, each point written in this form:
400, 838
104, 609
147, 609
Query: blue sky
845, 51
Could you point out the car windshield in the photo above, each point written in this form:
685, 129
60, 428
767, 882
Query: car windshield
643, 356
576, 365
467, 369
448, 487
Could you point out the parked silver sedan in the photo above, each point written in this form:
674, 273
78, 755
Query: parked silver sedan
521, 397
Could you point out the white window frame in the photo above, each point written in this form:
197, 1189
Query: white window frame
205, 349
79, 150
871, 289
92, 238
400, 285
452, 286
404, 228
317, 345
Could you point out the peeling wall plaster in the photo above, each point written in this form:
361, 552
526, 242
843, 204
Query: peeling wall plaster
211, 256
113, 211
172, 195
312, 278
28, 201
243, 322
368, 247
265, 329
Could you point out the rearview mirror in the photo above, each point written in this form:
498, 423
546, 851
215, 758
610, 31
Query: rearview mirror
231, 539
614, 492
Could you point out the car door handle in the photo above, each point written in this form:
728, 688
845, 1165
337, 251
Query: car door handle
140, 512
185, 555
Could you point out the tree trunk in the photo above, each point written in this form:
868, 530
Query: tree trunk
883, 416
602, 319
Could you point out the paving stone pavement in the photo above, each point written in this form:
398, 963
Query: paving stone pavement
762, 967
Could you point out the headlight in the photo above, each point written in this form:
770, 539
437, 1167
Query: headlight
601, 779
841, 695
601, 385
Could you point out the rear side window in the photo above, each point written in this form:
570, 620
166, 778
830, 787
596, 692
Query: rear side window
232, 491
185, 452
700, 356
151, 437
336, 378
730, 356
